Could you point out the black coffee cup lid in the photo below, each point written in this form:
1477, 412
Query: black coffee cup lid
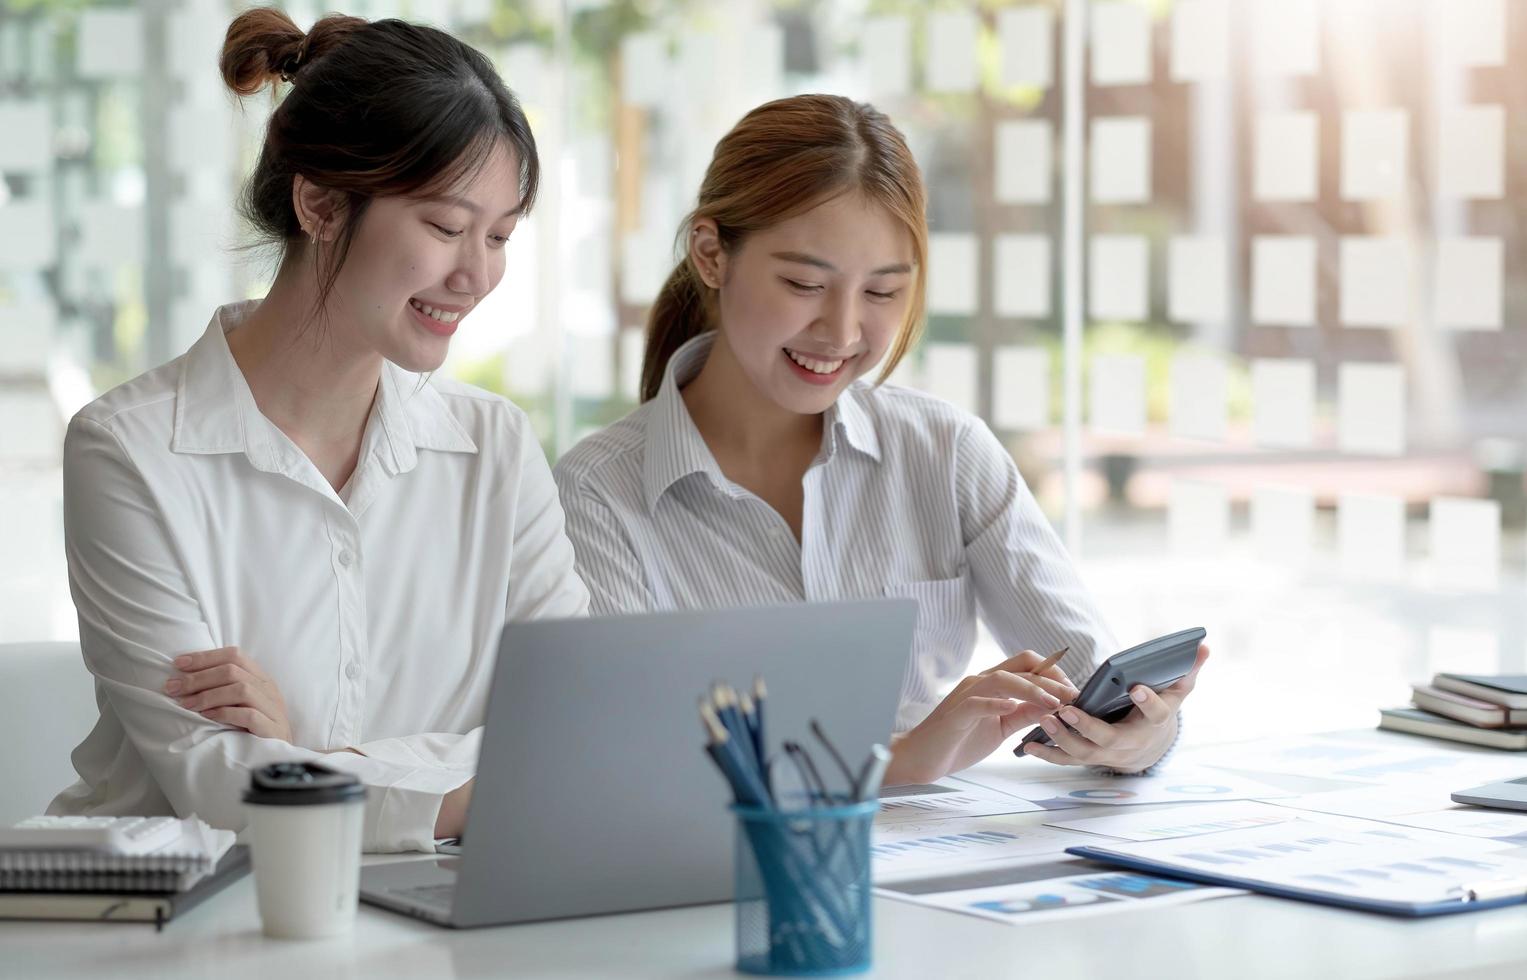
302, 784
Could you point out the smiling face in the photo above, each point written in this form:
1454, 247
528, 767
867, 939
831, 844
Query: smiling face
811, 304
418, 265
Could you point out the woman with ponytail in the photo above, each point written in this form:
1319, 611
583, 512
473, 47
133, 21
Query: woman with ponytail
294, 542
766, 467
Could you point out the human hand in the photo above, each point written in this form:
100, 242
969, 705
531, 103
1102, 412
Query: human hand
452, 819
225, 686
1130, 745
980, 714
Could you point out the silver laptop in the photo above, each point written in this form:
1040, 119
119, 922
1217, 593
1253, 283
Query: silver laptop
594, 793
1509, 795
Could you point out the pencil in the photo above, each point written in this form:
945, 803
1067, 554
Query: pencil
1051, 660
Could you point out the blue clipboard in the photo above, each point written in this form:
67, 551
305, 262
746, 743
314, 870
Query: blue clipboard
1469, 902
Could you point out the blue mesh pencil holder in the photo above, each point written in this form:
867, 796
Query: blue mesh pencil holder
803, 890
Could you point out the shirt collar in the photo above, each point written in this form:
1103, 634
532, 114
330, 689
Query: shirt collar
675, 448
215, 412
850, 421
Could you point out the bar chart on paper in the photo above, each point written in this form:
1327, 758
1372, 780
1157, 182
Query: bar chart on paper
1180, 784
938, 801
911, 847
1373, 763
1342, 858
1204, 818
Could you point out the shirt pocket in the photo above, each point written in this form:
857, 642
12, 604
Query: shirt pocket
943, 638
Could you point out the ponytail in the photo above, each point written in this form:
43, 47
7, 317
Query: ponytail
678, 315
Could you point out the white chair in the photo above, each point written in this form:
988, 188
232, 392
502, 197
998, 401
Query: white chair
47, 707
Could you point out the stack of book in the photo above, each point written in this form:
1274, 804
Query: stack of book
46, 873
1484, 709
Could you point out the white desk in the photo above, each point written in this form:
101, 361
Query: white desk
1243, 937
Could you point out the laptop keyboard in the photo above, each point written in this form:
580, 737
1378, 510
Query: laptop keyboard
429, 894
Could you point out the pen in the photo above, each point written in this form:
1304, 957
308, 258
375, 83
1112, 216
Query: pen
867, 786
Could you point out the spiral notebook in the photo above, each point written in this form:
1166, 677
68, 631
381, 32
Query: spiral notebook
126, 905
177, 867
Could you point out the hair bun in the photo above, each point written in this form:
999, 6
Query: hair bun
264, 44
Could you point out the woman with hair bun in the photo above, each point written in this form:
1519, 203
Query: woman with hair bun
762, 470
294, 542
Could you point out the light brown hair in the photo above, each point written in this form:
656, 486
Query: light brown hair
781, 160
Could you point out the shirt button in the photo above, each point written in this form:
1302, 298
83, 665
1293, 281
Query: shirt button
345, 558
353, 671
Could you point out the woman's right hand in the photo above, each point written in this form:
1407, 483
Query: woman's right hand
453, 811
981, 713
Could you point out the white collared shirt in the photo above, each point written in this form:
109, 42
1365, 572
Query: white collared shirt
909, 496
192, 522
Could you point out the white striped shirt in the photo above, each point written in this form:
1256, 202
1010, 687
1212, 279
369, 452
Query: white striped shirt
909, 496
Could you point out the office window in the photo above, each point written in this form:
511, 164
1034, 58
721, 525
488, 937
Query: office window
1301, 370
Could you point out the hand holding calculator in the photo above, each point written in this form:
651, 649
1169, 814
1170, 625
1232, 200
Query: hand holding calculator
1158, 664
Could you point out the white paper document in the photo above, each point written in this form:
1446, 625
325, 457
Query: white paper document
1205, 818
945, 847
1047, 889
1178, 784
1341, 857
1358, 762
1427, 807
946, 800
1506, 826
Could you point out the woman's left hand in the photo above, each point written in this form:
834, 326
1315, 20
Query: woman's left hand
227, 687
1131, 745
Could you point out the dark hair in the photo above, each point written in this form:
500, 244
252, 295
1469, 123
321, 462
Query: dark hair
375, 109
783, 159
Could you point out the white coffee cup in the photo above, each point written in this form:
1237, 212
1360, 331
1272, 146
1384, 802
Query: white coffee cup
305, 824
